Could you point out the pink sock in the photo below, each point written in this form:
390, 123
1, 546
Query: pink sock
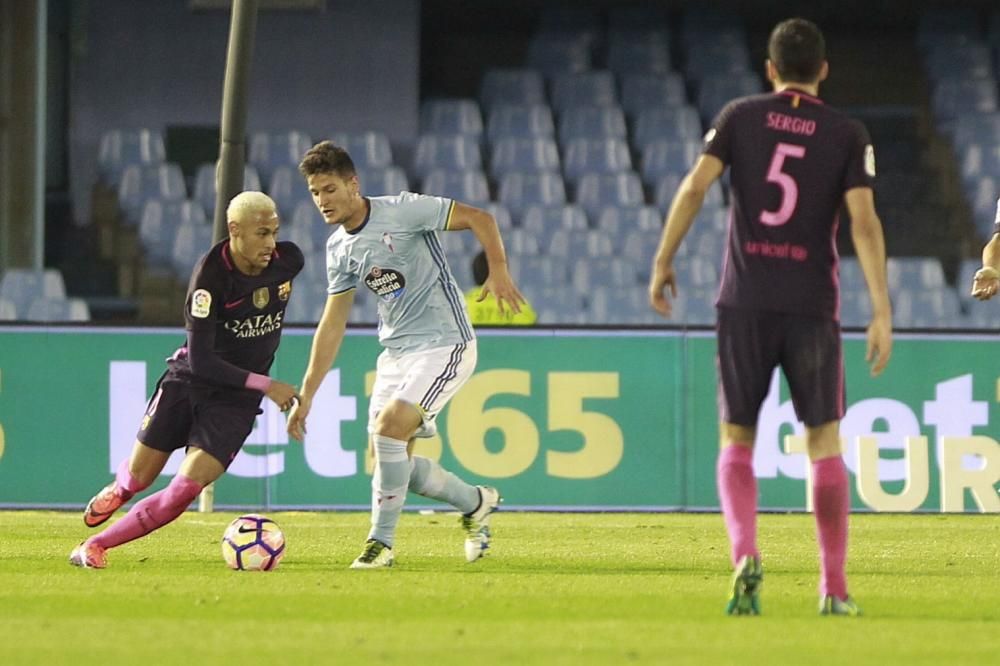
151, 513
831, 504
738, 494
127, 485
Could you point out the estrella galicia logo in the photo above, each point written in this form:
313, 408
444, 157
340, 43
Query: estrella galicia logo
387, 283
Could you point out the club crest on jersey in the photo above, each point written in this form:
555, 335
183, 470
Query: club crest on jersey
387, 283
261, 297
284, 290
201, 303
387, 239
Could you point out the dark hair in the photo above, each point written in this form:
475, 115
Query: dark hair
325, 157
797, 49
480, 269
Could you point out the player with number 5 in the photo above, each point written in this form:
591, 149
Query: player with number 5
793, 162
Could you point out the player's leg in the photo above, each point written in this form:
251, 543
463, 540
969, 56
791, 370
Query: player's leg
145, 463
746, 359
813, 364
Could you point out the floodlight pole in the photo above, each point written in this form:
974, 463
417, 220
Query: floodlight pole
232, 133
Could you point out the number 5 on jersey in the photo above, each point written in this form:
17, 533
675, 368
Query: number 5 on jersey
789, 188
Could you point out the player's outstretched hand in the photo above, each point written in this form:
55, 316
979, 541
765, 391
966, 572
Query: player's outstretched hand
985, 283
879, 347
297, 419
501, 285
662, 277
282, 394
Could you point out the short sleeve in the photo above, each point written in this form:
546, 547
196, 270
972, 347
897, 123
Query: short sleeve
861, 161
718, 138
422, 212
338, 278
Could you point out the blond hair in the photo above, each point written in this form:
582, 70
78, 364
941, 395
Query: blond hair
248, 204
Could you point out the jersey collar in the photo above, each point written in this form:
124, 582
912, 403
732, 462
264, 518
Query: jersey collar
368, 216
795, 93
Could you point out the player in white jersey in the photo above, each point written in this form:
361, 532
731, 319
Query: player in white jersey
390, 245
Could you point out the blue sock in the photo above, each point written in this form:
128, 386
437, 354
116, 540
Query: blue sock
389, 485
429, 479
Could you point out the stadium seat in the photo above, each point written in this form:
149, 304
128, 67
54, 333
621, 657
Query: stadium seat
453, 153
592, 122
288, 189
271, 150
469, 187
368, 150
588, 273
526, 269
524, 154
623, 220
511, 86
22, 286
574, 244
850, 275
308, 218
555, 304
855, 308
204, 184
160, 221
590, 156
697, 271
8, 311
191, 241
380, 181
664, 157
952, 97
595, 88
967, 61
626, 306
58, 310
543, 220
120, 148
522, 189
521, 243
639, 247
451, 116
596, 191
667, 188
718, 58
522, 121
648, 22
714, 93
673, 123
501, 214
651, 92
627, 56
141, 183
557, 56
918, 273
980, 159
971, 128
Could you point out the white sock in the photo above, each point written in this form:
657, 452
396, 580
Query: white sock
429, 479
389, 485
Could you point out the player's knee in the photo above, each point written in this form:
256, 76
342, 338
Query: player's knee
731, 433
823, 441
397, 420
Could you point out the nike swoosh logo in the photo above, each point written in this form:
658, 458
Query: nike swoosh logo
233, 304
243, 530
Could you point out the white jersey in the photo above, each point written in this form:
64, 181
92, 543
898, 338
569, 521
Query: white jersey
397, 254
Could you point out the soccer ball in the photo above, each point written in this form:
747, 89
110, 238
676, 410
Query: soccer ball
253, 543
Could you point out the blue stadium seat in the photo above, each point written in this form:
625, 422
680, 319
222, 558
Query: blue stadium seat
677, 123
917, 273
972, 128
302, 308
855, 308
648, 22
665, 157
511, 86
271, 150
303, 236
159, 222
59, 310
623, 220
451, 116
379, 181
574, 244
705, 242
556, 56
960, 96
638, 56
307, 217
851, 277
596, 191
521, 243
982, 193
501, 214
120, 148
650, 92
588, 273
966, 271
524, 155
468, 187
716, 58
627, 306
968, 61
522, 189
538, 270
456, 243
639, 248
523, 121
8, 311
596, 88
983, 316
288, 189
714, 93
588, 156
925, 308
697, 271
141, 183
368, 150
454, 153
980, 159
21, 286
190, 242
204, 184
555, 304
668, 185
592, 122
543, 220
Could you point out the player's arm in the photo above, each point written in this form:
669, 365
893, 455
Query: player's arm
986, 282
325, 346
869, 244
683, 209
499, 282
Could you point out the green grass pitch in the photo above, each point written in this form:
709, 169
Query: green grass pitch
555, 589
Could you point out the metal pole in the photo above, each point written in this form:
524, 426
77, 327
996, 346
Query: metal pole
232, 149
38, 200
